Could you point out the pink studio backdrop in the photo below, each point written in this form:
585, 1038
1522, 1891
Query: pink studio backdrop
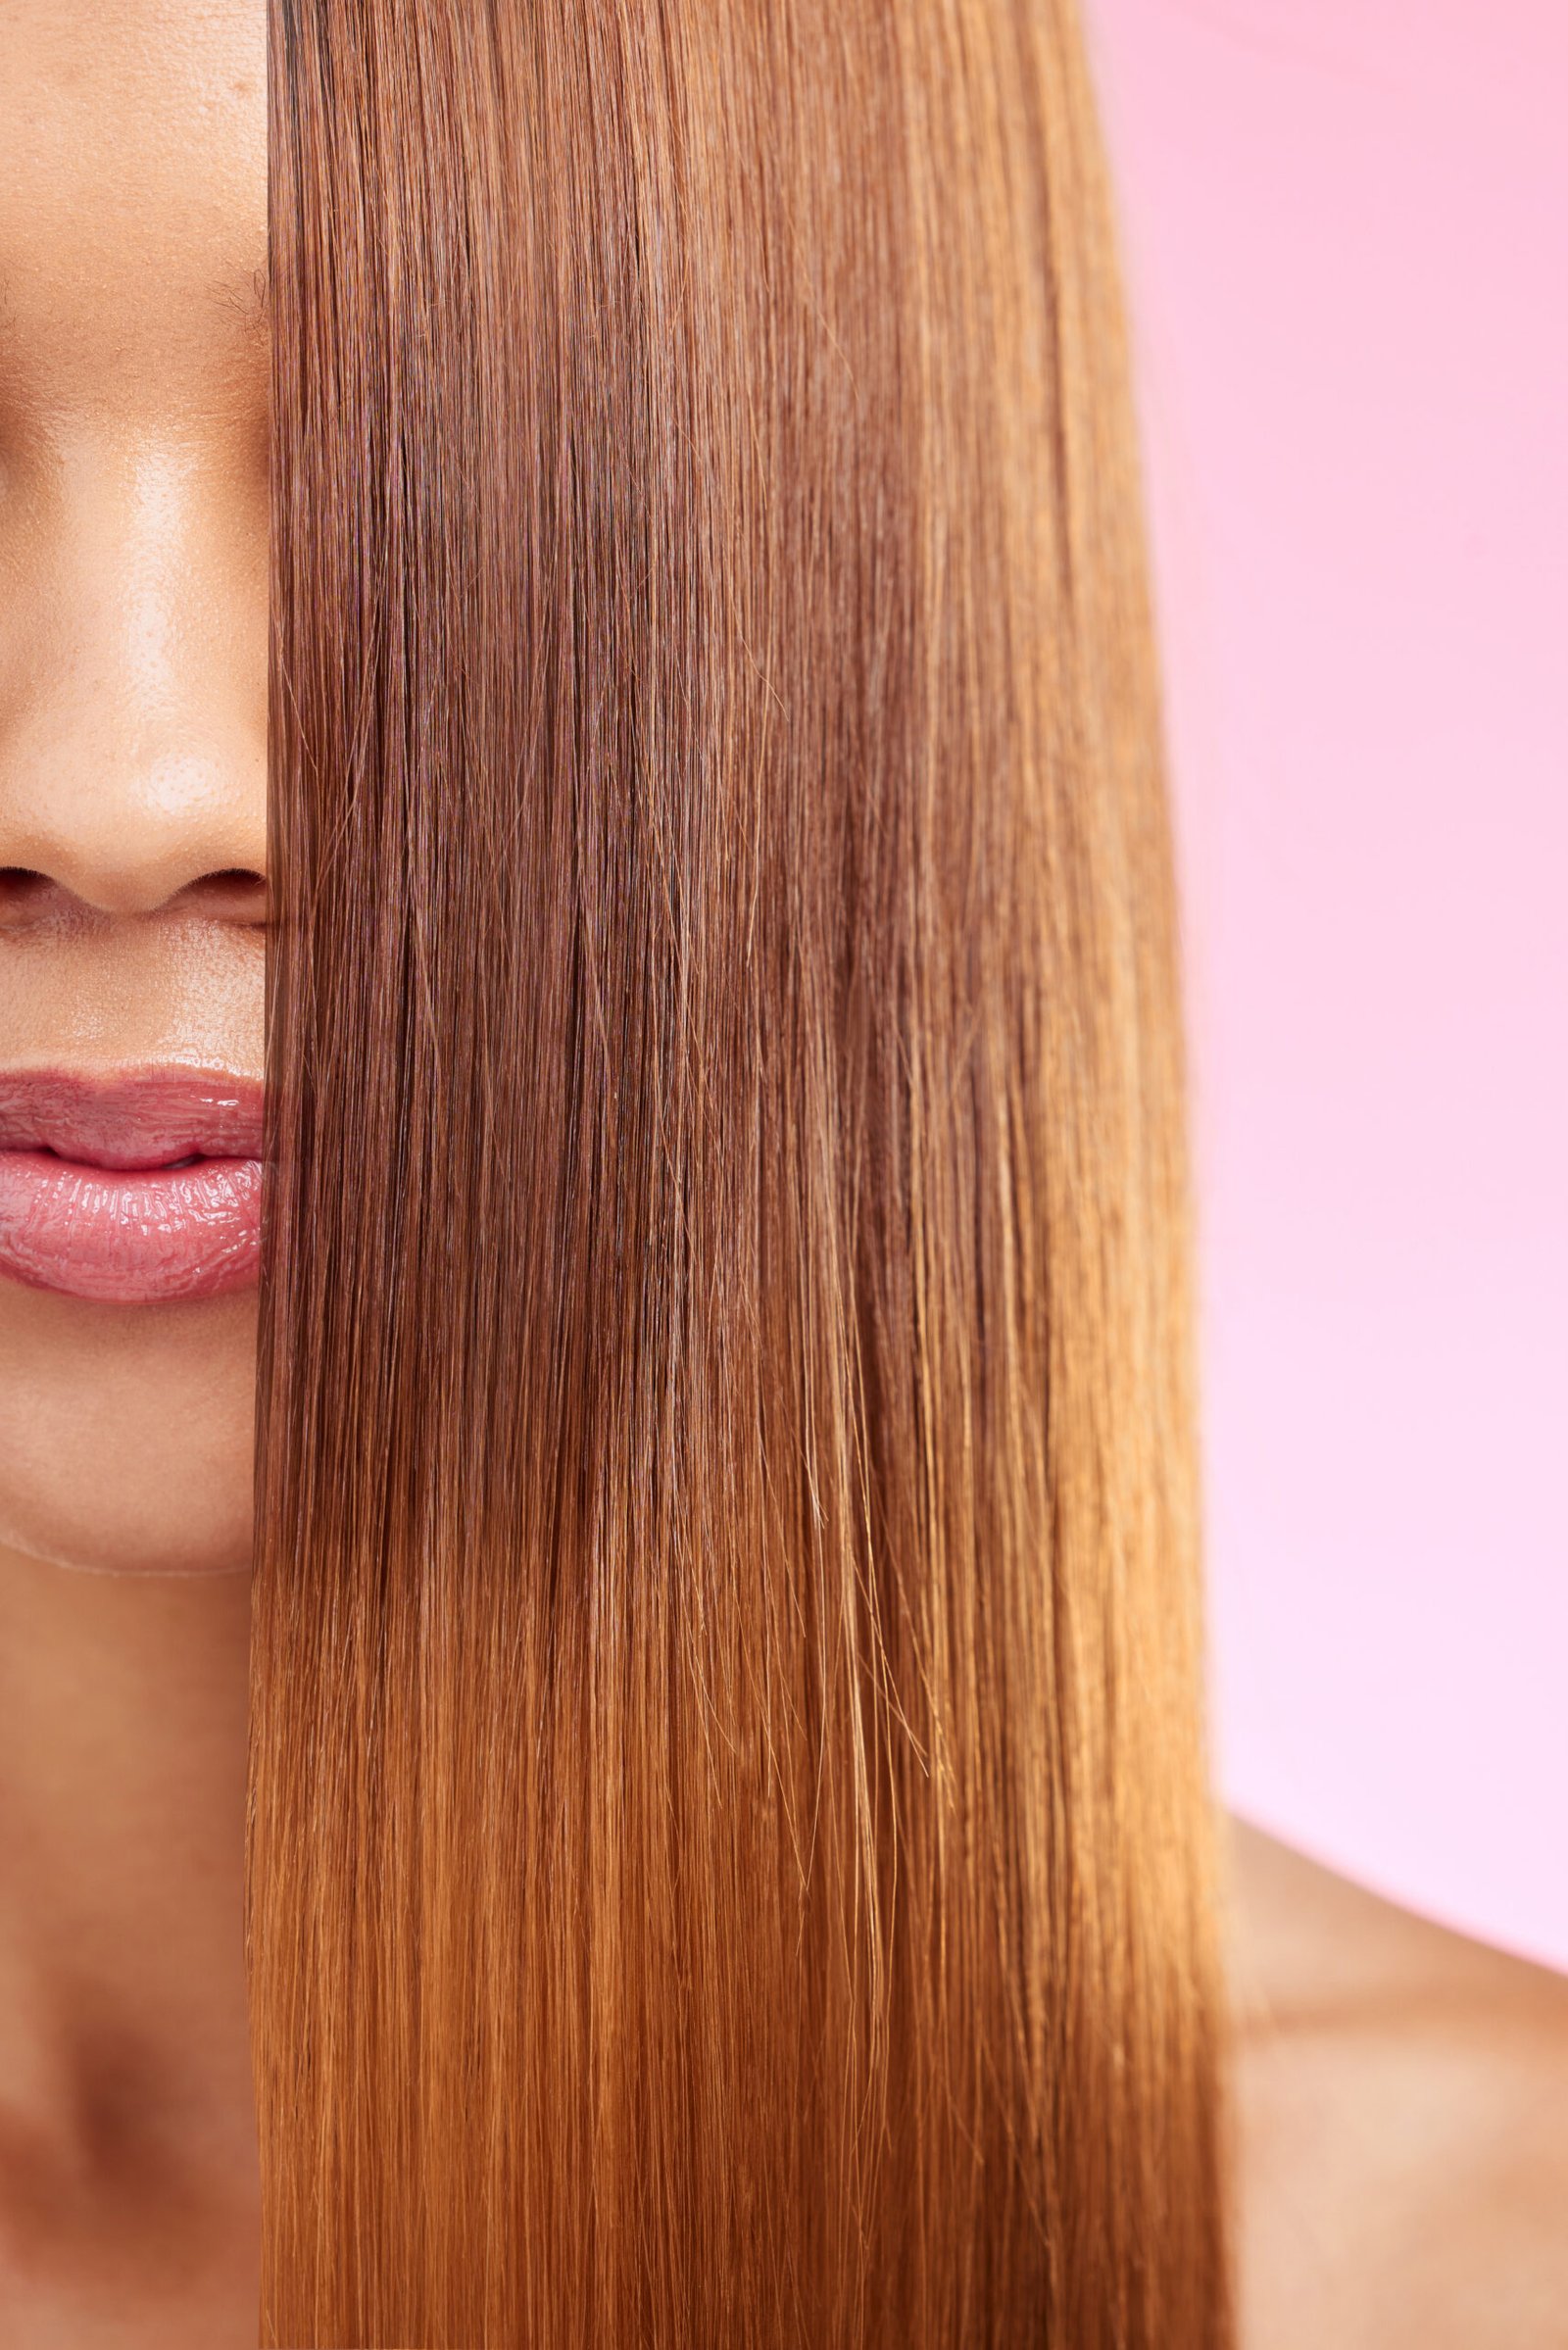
1347, 230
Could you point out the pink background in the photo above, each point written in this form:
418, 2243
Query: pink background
1346, 227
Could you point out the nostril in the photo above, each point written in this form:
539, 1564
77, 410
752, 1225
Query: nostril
233, 893
21, 889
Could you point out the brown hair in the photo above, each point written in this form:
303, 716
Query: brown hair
729, 1853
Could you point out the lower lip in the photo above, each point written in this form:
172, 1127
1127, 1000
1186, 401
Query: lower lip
129, 1236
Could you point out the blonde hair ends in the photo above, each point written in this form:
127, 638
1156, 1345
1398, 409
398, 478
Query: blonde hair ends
729, 1849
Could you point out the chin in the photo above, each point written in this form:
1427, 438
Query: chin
128, 1432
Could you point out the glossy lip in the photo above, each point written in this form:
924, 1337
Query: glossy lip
130, 1186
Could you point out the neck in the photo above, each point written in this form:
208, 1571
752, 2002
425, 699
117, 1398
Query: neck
124, 2046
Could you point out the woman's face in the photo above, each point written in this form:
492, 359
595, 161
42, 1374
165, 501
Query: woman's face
133, 522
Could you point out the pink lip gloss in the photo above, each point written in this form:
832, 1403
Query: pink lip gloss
131, 1187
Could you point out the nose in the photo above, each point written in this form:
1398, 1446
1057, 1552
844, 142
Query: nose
133, 698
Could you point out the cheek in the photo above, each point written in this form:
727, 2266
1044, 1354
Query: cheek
126, 1432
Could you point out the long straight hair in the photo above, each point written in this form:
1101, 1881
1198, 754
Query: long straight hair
730, 1856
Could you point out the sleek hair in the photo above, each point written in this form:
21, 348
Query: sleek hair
729, 1853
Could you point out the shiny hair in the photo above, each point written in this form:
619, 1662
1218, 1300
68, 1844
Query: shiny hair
730, 1842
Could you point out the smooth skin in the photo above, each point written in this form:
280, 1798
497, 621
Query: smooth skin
1402, 2094
133, 523
1402, 2122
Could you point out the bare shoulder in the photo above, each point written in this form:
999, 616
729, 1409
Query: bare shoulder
1401, 2108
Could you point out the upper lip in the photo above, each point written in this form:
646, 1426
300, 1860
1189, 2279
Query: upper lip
140, 1118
